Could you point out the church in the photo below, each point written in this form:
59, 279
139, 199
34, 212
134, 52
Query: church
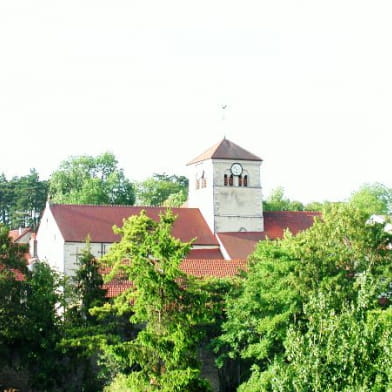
224, 216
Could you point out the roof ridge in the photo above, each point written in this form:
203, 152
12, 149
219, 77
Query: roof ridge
121, 205
225, 149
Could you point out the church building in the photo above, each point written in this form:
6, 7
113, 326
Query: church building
224, 214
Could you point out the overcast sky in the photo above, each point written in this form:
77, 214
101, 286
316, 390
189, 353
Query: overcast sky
308, 86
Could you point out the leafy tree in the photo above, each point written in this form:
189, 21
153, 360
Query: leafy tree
175, 199
30, 327
44, 301
276, 201
260, 310
347, 349
285, 276
373, 198
163, 189
11, 254
30, 195
5, 200
84, 333
22, 199
91, 180
165, 301
88, 284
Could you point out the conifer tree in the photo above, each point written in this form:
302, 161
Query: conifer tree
166, 304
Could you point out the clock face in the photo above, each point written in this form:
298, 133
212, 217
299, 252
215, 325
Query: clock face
236, 169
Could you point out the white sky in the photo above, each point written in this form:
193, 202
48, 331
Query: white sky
308, 86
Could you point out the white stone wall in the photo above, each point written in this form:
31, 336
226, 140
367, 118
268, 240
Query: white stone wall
227, 208
50, 242
72, 250
238, 208
202, 197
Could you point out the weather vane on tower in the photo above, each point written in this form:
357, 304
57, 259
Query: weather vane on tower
224, 107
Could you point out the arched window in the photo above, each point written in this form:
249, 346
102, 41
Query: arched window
246, 180
231, 179
225, 181
239, 180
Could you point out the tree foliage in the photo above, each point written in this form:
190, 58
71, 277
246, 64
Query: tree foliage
288, 280
22, 199
91, 180
373, 198
163, 189
276, 201
164, 300
88, 284
30, 328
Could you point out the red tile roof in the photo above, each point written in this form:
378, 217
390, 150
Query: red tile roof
15, 235
276, 222
113, 289
217, 268
77, 221
200, 268
226, 149
19, 276
205, 254
242, 244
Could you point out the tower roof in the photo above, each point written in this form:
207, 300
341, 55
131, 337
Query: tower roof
226, 149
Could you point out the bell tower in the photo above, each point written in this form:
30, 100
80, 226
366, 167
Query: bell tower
225, 184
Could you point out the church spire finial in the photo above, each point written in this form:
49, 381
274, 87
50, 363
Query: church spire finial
224, 107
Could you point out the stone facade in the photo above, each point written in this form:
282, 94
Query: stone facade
226, 206
50, 242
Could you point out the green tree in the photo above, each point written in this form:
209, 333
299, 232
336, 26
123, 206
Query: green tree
373, 198
84, 333
11, 254
43, 322
6, 198
88, 283
91, 180
165, 301
22, 199
30, 328
276, 201
284, 276
29, 195
163, 189
347, 349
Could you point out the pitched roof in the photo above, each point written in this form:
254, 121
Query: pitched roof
276, 222
200, 268
77, 221
18, 275
242, 244
113, 289
226, 149
214, 253
217, 268
18, 234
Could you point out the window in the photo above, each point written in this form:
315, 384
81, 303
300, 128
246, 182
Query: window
231, 179
245, 180
239, 180
225, 181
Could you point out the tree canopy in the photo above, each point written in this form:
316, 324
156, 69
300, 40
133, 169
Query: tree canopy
300, 287
91, 180
22, 200
373, 198
165, 301
163, 189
